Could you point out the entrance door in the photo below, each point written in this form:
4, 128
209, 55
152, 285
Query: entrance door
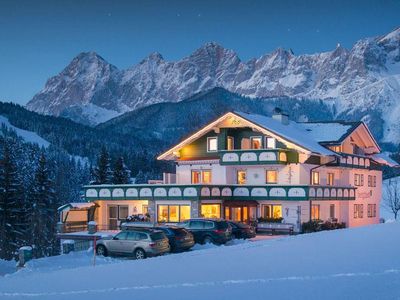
240, 213
113, 217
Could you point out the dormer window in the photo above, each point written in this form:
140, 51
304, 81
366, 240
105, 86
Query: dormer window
212, 144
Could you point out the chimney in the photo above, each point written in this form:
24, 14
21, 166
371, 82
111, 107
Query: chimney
280, 116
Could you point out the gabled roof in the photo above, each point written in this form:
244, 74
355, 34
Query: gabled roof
292, 132
307, 137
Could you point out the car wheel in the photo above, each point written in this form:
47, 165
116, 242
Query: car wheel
101, 250
208, 240
140, 254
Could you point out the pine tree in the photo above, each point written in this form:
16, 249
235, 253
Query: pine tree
121, 172
102, 172
12, 210
44, 212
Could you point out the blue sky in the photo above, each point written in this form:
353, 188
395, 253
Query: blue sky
39, 38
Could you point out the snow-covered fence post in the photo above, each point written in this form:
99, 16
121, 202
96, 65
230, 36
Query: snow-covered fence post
25, 254
92, 227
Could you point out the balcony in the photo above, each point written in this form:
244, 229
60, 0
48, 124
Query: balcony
258, 157
220, 192
356, 161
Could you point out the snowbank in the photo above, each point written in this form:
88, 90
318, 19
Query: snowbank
359, 263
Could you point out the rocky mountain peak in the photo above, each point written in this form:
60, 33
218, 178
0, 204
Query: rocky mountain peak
362, 79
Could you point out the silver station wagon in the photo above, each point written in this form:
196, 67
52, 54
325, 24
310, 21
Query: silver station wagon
139, 243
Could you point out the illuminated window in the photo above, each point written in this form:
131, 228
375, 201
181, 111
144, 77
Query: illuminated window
196, 176
184, 213
206, 176
255, 142
271, 211
271, 143
212, 144
173, 213
241, 177
145, 209
201, 176
330, 179
123, 212
336, 148
163, 213
315, 212
211, 210
272, 176
230, 143
315, 178
227, 213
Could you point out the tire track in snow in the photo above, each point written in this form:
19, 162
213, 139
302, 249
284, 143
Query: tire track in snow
200, 284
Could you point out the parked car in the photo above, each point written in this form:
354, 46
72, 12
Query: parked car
214, 231
242, 231
139, 243
179, 238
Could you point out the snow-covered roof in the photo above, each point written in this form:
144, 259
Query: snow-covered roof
384, 159
76, 205
329, 131
294, 132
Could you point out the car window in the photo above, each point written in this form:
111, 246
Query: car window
141, 236
222, 225
184, 224
131, 236
233, 225
196, 225
121, 236
157, 236
208, 225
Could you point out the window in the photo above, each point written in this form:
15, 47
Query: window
184, 212
196, 225
211, 210
173, 213
371, 181
315, 212
336, 148
212, 144
121, 236
271, 211
196, 176
271, 143
201, 176
241, 177
358, 211
122, 212
371, 210
206, 176
256, 142
330, 180
315, 178
332, 211
145, 209
358, 179
230, 145
271, 176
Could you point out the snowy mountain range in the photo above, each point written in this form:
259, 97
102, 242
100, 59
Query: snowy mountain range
358, 83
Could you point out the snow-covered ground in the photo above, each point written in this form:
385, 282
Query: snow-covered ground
358, 263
